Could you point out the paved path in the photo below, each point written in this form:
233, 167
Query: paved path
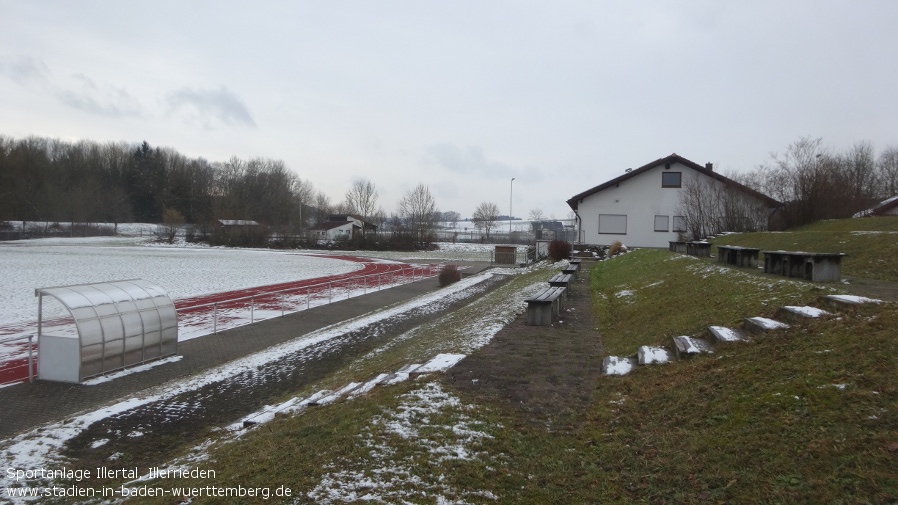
25, 406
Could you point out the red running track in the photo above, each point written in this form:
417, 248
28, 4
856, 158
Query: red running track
264, 297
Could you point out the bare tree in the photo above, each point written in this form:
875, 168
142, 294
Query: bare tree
361, 198
419, 212
709, 207
859, 171
451, 217
485, 217
323, 208
536, 214
887, 169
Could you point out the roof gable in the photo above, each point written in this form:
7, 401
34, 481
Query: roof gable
330, 225
574, 201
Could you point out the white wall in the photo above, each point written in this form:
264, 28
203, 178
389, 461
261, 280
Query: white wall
640, 198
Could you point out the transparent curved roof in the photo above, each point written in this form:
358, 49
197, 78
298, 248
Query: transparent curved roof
120, 323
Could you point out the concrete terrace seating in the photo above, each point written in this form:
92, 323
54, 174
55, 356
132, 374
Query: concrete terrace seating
815, 267
685, 347
698, 248
677, 246
738, 256
544, 306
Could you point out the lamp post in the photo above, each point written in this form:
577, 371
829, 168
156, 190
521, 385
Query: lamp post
510, 194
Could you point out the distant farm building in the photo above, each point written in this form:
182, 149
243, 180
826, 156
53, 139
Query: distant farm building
340, 227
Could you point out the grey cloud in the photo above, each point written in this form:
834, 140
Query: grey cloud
24, 70
100, 99
472, 161
211, 106
468, 161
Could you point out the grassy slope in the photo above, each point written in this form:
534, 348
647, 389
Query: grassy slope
807, 415
871, 244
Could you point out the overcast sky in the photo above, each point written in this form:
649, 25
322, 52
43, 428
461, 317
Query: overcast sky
458, 95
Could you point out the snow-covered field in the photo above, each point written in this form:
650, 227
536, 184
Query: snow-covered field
182, 271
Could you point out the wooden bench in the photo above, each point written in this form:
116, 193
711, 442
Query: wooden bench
815, 267
560, 280
544, 306
698, 248
571, 269
738, 256
677, 246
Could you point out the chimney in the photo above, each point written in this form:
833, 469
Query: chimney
709, 166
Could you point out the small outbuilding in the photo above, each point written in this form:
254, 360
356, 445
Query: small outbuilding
119, 324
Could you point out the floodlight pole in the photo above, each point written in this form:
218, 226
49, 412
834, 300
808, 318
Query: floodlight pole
510, 195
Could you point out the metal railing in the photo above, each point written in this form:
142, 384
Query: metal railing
29, 363
302, 298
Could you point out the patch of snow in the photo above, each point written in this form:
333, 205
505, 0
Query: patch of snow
769, 324
440, 363
854, 299
725, 334
615, 365
653, 355
402, 476
131, 370
807, 311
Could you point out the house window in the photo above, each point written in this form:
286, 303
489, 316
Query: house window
615, 224
679, 223
671, 179
661, 223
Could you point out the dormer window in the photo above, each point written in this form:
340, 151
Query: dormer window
671, 179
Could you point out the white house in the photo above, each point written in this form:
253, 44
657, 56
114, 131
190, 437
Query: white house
644, 206
341, 227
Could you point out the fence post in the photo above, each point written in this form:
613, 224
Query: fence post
30, 359
252, 309
215, 317
282, 304
330, 292
308, 298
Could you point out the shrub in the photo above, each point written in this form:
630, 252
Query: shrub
559, 250
616, 248
449, 275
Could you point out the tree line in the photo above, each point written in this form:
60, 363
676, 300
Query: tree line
815, 182
809, 180
54, 181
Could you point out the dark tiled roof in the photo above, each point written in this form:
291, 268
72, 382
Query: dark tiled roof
574, 201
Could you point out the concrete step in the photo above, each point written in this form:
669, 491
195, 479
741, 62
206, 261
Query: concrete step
847, 302
724, 335
685, 347
796, 314
647, 355
615, 365
762, 324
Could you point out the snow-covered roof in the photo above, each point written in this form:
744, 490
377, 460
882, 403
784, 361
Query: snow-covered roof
881, 208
